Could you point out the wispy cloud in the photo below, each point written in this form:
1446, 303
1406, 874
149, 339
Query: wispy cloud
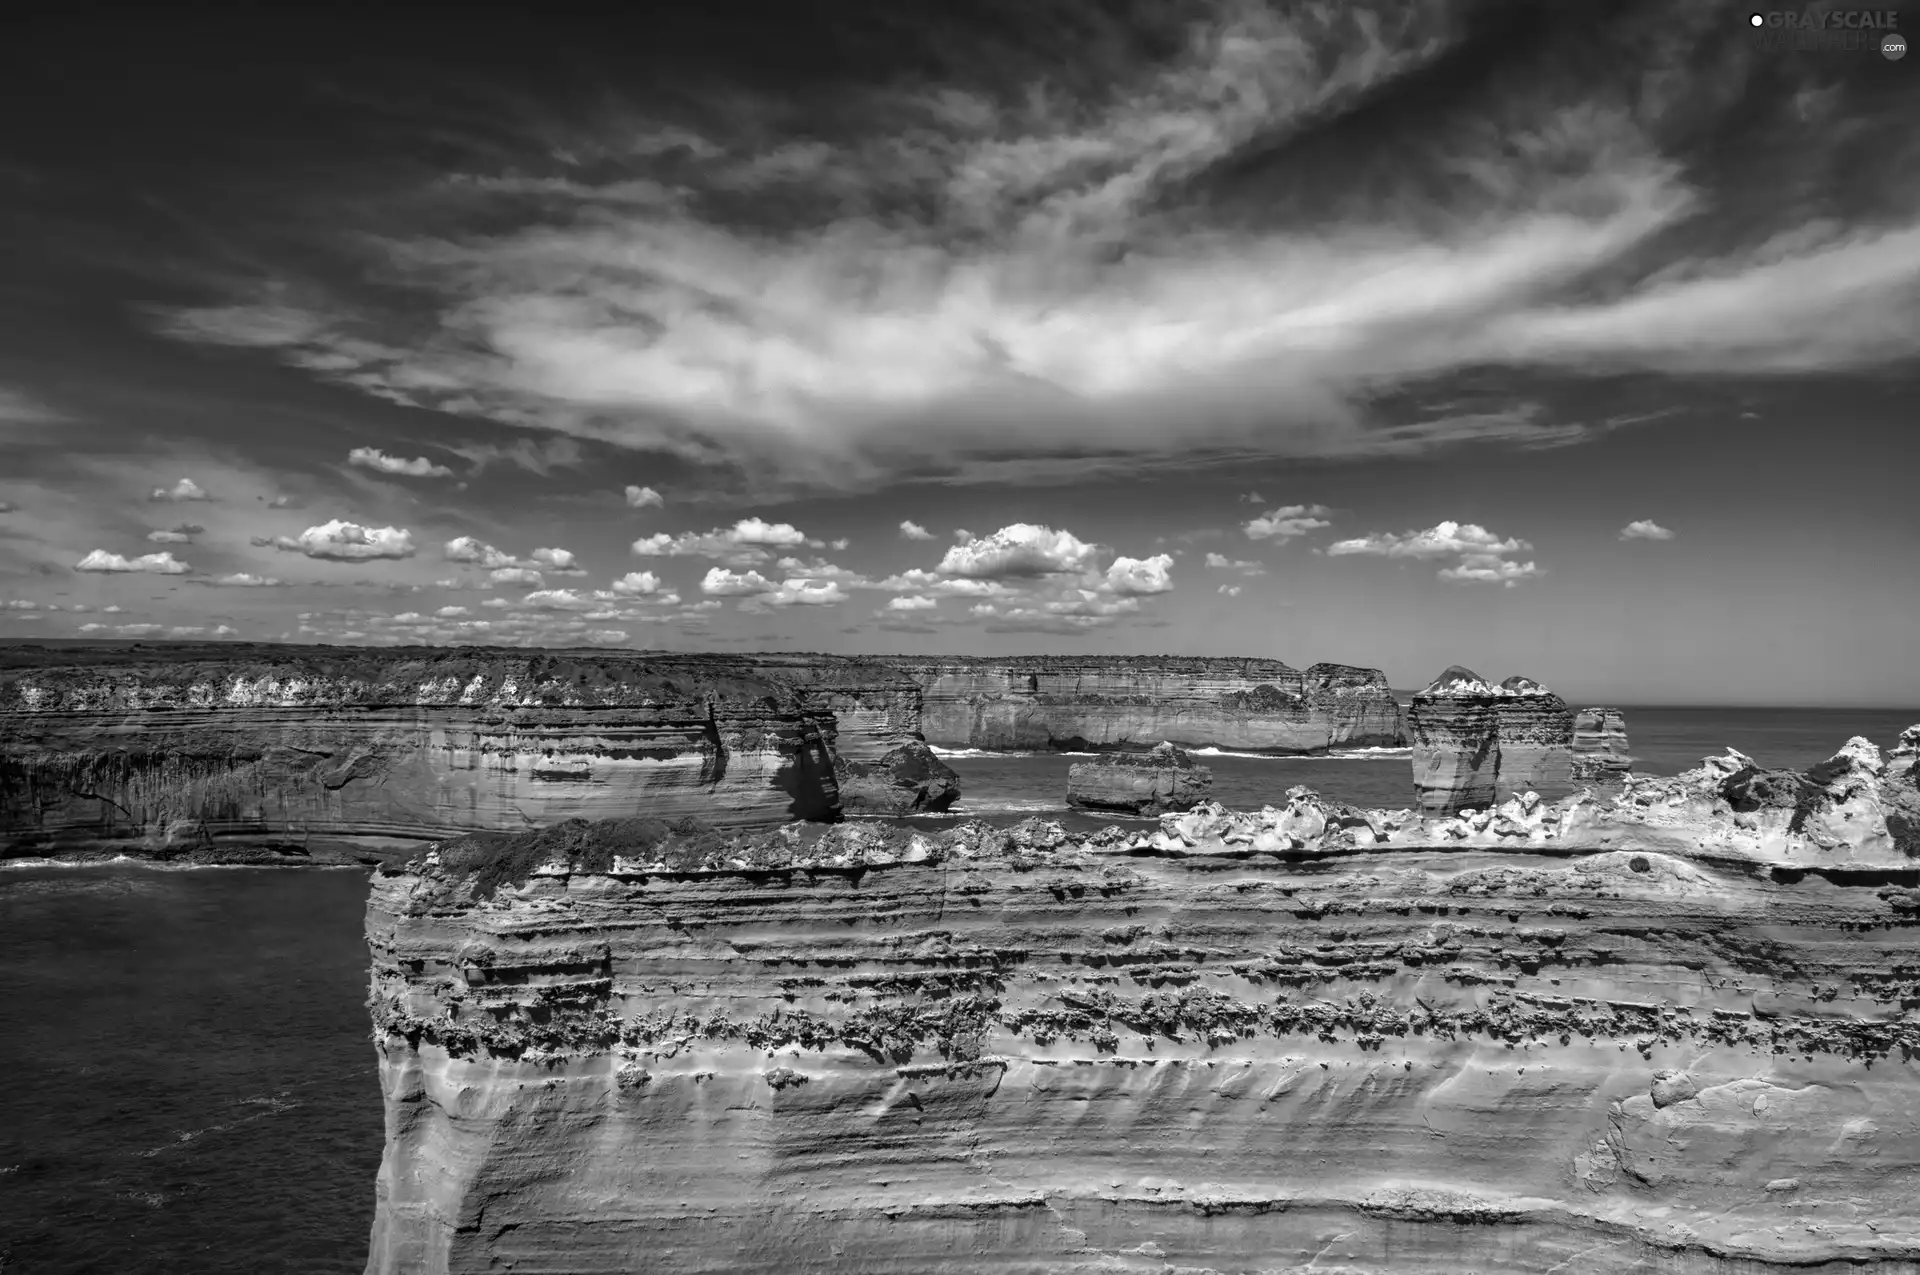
184, 490
1287, 522
378, 461
1644, 529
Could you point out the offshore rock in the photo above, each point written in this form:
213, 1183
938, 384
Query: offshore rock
908, 779
1533, 731
1600, 746
1155, 782
244, 753
1094, 703
1900, 793
1648, 1033
1456, 742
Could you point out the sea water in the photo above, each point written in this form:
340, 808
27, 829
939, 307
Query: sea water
186, 1077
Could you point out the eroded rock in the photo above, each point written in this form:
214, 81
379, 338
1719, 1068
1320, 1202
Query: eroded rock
1162, 779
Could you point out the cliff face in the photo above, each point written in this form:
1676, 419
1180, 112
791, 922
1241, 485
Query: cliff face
1600, 746
1656, 1033
278, 749
1120, 702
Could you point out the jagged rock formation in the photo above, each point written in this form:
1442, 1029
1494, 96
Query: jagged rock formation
1475, 743
906, 780
1900, 792
1155, 782
1127, 702
1600, 746
250, 752
1655, 1032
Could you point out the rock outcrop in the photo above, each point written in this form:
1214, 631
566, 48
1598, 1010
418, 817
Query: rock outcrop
1155, 782
1600, 746
1082, 703
1475, 743
906, 780
1655, 1032
235, 752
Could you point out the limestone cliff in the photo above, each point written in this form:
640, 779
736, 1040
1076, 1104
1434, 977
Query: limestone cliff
246, 752
1600, 746
1475, 743
1133, 702
1155, 782
1653, 1033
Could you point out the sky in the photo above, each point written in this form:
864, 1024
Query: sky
1575, 340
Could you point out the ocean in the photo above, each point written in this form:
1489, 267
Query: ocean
190, 1085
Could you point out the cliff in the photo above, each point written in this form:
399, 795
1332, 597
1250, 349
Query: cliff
1657, 1032
1600, 746
243, 753
1132, 702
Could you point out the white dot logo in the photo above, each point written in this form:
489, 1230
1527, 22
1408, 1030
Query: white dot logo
1758, 20
1894, 47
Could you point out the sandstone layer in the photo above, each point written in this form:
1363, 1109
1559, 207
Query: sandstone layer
1162, 780
906, 780
1600, 746
1077, 703
1672, 1030
235, 752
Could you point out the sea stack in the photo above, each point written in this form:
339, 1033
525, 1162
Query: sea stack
1600, 746
907, 780
1162, 780
1534, 739
1455, 728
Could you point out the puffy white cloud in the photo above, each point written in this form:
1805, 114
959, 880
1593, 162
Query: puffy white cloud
245, 580
1479, 552
917, 580
525, 577
375, 459
473, 550
169, 538
184, 490
1018, 551
1253, 498
912, 602
911, 530
557, 600
637, 584
1442, 540
803, 593
451, 612
164, 564
1140, 576
1220, 562
1645, 529
746, 543
20, 605
343, 541
721, 582
644, 498
1231, 590
559, 562
840, 544
1287, 522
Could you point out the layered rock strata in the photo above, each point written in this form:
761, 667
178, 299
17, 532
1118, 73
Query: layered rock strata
1079, 703
235, 752
1475, 743
1156, 782
908, 779
1600, 746
1654, 1032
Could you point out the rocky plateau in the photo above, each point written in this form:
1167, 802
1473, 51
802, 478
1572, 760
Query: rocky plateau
1671, 1027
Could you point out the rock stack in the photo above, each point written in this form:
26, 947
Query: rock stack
906, 780
1475, 743
1600, 746
1156, 782
1901, 792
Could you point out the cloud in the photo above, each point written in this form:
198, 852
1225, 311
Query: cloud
840, 544
1141, 576
1231, 590
746, 543
557, 600
1252, 498
343, 541
1220, 562
637, 584
526, 577
1018, 551
910, 530
164, 564
1287, 522
912, 602
644, 498
472, 550
1645, 529
184, 490
1479, 551
558, 562
375, 459
169, 538
451, 612
243, 580
722, 582
809, 593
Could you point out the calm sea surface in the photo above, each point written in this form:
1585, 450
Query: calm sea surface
186, 1080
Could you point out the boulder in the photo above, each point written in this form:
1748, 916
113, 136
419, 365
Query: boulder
907, 779
1159, 781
